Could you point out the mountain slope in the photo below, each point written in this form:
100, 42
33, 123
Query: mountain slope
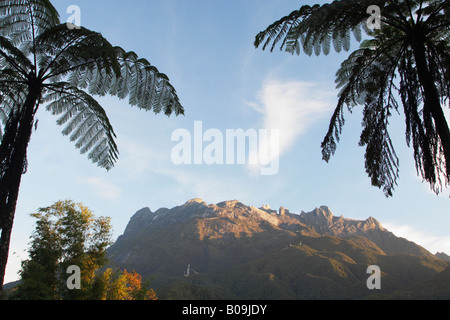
434, 288
325, 223
237, 251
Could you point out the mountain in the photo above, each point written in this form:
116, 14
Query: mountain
323, 221
443, 256
235, 251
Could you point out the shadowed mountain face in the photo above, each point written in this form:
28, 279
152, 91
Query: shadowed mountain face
237, 251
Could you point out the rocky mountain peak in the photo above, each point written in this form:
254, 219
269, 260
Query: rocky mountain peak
324, 210
373, 223
195, 201
321, 219
140, 219
283, 211
318, 217
261, 246
230, 204
143, 212
324, 222
267, 209
443, 256
235, 218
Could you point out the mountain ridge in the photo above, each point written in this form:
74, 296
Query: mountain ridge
275, 253
317, 218
320, 220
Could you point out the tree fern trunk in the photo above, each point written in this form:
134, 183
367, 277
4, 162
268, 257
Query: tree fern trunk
432, 101
13, 150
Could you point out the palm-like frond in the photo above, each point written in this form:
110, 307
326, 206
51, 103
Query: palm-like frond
13, 73
12, 98
422, 138
313, 28
85, 122
367, 78
23, 20
91, 62
84, 60
62, 51
13, 59
146, 87
73, 66
415, 34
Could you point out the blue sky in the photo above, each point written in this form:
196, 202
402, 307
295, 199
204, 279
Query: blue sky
206, 49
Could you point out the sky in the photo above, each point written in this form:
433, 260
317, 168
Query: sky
206, 49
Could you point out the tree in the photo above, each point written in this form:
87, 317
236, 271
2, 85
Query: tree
122, 286
45, 62
66, 234
409, 55
39, 273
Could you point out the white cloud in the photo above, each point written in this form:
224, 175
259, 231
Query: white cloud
430, 242
292, 108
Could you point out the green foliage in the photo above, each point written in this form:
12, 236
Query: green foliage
413, 46
44, 61
324, 268
66, 234
115, 285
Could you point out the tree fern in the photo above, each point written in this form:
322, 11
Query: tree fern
332, 19
43, 61
409, 55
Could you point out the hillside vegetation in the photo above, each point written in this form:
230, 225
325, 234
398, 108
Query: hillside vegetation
236, 251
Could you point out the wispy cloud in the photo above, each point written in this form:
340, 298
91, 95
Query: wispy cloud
291, 107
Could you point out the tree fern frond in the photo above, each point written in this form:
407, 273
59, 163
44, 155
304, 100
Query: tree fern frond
357, 32
85, 122
337, 43
336, 19
23, 20
317, 48
329, 144
74, 49
326, 44
89, 61
100, 153
13, 58
283, 27
156, 92
382, 164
